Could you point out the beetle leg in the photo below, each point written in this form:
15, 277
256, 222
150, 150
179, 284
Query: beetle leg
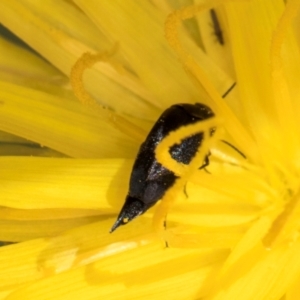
206, 161
165, 228
205, 164
185, 191
206, 171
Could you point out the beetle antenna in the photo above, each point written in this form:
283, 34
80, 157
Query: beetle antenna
216, 25
236, 149
229, 90
225, 142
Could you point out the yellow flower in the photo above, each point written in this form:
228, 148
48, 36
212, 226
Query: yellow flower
234, 233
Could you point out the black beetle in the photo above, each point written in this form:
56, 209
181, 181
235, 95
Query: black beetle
217, 28
149, 179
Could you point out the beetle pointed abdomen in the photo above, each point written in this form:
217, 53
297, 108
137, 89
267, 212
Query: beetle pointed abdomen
131, 209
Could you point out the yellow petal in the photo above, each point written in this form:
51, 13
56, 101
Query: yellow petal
40, 183
62, 48
22, 66
59, 123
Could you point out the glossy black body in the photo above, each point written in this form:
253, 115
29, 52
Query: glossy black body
149, 179
217, 28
